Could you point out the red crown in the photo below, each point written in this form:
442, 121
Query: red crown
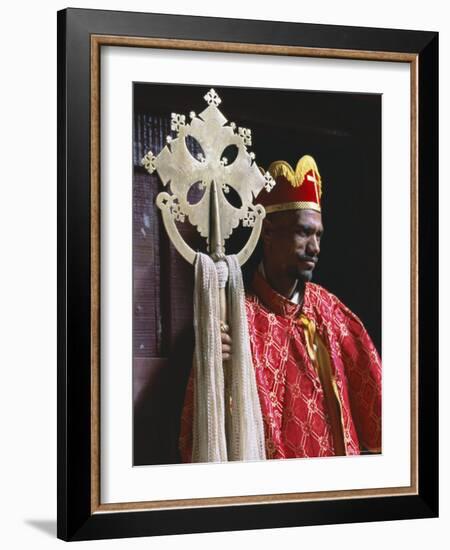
299, 189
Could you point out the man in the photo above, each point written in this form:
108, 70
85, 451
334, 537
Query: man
317, 371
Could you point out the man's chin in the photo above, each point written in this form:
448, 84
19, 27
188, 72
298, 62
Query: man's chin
305, 276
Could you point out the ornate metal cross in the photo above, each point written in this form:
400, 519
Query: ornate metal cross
213, 215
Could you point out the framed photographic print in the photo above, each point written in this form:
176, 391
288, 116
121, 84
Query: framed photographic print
247, 325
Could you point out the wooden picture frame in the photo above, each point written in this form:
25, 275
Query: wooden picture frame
81, 36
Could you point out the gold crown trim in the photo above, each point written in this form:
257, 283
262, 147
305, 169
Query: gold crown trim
295, 178
295, 205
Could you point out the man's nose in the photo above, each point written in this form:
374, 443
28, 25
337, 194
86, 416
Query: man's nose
313, 246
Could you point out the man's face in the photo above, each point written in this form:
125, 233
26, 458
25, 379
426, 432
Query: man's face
292, 243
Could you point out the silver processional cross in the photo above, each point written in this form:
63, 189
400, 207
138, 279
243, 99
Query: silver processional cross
214, 216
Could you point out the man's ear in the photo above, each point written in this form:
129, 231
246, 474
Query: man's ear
267, 231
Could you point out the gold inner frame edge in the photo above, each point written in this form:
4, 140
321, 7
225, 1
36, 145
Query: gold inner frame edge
97, 41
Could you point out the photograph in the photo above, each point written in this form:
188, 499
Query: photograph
300, 375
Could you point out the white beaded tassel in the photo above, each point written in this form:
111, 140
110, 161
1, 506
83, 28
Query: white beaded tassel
246, 432
209, 443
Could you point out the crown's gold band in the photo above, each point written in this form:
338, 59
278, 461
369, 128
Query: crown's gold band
296, 205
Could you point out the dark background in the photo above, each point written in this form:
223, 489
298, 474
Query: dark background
342, 131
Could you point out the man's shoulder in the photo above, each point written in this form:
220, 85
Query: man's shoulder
317, 294
327, 304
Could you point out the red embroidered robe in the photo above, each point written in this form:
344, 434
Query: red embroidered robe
318, 376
